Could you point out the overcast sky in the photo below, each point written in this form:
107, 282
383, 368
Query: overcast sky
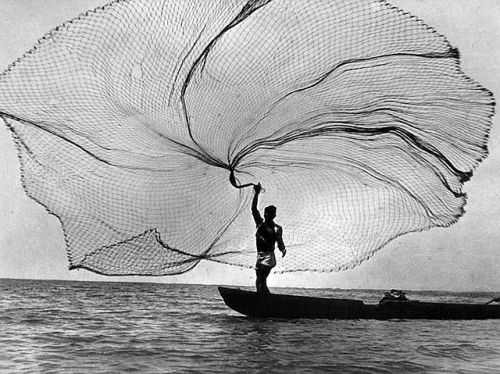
464, 257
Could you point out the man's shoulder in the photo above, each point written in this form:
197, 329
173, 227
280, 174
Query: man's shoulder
258, 221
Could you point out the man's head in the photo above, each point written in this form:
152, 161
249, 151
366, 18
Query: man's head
269, 213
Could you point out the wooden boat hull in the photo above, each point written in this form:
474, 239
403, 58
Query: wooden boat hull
290, 307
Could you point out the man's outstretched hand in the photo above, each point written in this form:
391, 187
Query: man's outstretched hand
283, 253
257, 188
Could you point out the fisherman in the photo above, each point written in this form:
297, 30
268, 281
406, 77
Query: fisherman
267, 235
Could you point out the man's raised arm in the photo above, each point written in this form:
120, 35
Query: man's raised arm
255, 212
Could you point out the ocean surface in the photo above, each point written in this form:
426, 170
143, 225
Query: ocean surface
87, 327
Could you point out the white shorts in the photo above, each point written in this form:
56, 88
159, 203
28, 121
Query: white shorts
266, 259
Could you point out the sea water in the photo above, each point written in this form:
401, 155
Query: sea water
86, 327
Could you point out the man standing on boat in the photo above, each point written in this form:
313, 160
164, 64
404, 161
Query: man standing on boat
267, 235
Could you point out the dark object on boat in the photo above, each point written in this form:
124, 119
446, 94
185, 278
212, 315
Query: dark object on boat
394, 295
257, 305
495, 300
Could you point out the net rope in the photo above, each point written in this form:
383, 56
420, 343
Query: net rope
134, 123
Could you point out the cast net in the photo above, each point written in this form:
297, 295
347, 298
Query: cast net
130, 121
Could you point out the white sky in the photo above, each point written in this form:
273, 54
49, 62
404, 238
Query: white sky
464, 257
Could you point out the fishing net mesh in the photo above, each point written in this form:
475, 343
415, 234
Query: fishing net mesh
131, 119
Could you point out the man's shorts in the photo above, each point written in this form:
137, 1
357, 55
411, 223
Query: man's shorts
265, 259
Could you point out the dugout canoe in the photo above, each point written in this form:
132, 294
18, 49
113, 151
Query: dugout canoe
280, 306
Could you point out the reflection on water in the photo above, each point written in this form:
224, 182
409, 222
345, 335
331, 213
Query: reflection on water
76, 327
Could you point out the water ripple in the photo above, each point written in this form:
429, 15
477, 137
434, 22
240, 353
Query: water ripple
152, 328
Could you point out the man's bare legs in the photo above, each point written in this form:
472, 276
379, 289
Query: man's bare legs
262, 273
